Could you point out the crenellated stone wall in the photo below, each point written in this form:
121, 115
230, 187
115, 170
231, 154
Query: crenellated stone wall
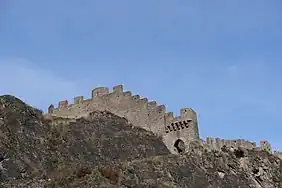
138, 111
217, 143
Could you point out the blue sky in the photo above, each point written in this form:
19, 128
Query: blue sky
222, 58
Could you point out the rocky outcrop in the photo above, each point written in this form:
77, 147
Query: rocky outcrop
32, 146
104, 150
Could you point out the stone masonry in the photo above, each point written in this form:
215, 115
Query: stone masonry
176, 132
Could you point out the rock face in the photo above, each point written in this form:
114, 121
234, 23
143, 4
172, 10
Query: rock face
104, 150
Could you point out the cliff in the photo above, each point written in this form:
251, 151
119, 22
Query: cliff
105, 150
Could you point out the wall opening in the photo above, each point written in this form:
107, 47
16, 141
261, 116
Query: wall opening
179, 146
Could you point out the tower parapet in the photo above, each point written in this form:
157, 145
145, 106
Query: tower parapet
181, 129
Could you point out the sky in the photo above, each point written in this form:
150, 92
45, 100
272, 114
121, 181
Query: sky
221, 58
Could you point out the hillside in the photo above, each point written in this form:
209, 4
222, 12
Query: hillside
104, 150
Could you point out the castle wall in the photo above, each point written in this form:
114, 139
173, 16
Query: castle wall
139, 112
278, 154
217, 143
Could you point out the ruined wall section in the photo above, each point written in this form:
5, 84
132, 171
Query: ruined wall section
278, 154
217, 143
139, 112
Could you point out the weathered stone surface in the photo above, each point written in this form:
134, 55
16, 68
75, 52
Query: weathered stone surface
104, 150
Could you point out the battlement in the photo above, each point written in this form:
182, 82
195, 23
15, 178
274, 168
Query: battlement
139, 111
114, 96
63, 104
78, 100
217, 143
97, 93
178, 123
